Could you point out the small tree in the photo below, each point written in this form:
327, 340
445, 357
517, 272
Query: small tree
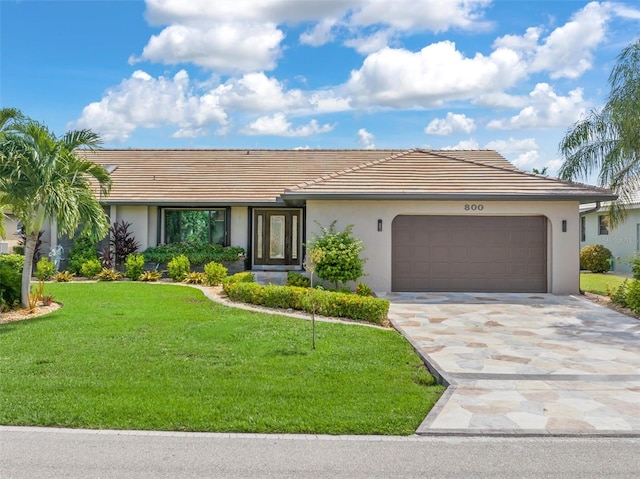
122, 242
314, 257
341, 261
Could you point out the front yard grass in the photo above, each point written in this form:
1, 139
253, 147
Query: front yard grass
163, 357
600, 283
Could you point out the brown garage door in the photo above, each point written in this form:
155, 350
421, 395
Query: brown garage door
469, 253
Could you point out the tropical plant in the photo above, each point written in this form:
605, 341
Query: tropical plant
341, 260
122, 242
43, 176
607, 141
595, 258
215, 273
108, 275
178, 267
134, 266
150, 276
45, 269
195, 277
91, 268
83, 250
63, 276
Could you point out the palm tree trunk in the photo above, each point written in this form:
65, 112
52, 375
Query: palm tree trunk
31, 240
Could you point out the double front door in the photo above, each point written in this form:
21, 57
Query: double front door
276, 237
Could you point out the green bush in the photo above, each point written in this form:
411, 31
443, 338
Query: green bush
242, 277
107, 274
45, 269
198, 253
619, 294
341, 260
63, 276
364, 289
195, 278
10, 284
633, 295
297, 279
13, 261
595, 258
179, 267
134, 266
91, 268
150, 276
326, 303
215, 273
83, 250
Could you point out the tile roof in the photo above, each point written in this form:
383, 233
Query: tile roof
219, 177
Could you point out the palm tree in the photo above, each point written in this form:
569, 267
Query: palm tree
608, 140
45, 177
8, 116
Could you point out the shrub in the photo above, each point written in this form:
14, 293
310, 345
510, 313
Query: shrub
297, 279
198, 253
107, 274
10, 285
13, 261
595, 258
134, 266
45, 269
363, 289
91, 268
633, 295
150, 276
327, 303
341, 260
215, 273
83, 250
179, 267
243, 277
619, 294
63, 276
122, 242
195, 278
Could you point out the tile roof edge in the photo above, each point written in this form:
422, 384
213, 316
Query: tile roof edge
366, 164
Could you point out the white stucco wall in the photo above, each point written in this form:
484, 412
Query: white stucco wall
138, 216
622, 241
11, 233
239, 229
562, 248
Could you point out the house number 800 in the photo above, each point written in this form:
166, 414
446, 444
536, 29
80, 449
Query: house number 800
468, 207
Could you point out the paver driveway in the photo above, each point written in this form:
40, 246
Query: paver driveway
524, 363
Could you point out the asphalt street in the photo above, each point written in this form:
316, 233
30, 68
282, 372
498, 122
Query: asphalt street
35, 453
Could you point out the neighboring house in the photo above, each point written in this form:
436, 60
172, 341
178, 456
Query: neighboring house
429, 220
623, 241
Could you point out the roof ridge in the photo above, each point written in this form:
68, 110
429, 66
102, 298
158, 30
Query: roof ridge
344, 171
515, 169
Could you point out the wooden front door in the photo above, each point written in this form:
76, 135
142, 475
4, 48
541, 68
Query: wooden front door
276, 237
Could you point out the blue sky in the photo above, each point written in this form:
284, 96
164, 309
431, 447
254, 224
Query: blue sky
505, 75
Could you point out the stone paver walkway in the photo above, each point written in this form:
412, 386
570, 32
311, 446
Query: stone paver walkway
525, 364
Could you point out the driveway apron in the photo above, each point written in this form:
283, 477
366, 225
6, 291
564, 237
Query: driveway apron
525, 364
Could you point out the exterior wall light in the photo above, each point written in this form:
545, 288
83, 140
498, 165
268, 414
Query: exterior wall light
564, 226
379, 225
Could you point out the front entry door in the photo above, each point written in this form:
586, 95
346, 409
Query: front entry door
276, 238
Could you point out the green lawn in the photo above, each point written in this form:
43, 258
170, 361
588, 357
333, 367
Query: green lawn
163, 357
600, 283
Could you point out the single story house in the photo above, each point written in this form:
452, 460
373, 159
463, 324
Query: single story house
430, 220
623, 241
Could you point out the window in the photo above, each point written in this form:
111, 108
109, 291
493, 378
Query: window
583, 228
196, 226
603, 224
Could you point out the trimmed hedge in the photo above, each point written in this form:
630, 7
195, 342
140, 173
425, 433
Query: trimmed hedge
197, 253
327, 303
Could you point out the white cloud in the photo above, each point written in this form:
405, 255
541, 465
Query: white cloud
371, 43
513, 145
400, 78
432, 15
452, 123
255, 92
469, 144
546, 109
320, 34
567, 51
278, 125
149, 102
625, 11
526, 43
366, 139
225, 47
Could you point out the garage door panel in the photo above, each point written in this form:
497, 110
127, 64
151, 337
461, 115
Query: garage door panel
469, 253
